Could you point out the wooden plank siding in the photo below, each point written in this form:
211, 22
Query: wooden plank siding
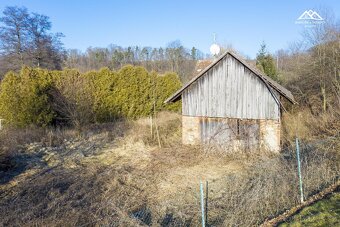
231, 90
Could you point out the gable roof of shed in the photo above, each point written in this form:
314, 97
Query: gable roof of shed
267, 80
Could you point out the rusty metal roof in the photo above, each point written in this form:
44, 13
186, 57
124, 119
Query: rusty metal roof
270, 82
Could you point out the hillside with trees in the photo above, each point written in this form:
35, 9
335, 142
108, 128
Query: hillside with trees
174, 58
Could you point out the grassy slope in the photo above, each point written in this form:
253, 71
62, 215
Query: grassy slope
115, 175
325, 212
107, 177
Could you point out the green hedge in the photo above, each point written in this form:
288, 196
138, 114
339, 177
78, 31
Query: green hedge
41, 97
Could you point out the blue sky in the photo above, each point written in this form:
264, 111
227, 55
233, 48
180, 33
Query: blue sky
244, 24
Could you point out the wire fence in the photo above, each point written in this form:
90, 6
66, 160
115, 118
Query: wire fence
269, 187
266, 188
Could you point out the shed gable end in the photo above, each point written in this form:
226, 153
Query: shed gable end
229, 89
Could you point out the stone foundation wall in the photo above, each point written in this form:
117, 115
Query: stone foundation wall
253, 134
191, 130
270, 132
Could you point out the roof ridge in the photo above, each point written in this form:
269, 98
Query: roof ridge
283, 91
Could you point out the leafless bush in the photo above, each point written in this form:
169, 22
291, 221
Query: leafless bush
309, 127
72, 99
166, 125
269, 187
224, 140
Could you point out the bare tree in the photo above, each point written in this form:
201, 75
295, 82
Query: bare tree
323, 43
45, 49
26, 40
174, 58
14, 36
311, 67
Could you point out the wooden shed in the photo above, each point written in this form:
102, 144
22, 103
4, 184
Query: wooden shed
233, 105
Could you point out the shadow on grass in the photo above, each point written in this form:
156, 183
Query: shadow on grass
13, 165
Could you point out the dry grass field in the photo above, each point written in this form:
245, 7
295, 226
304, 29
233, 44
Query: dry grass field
116, 174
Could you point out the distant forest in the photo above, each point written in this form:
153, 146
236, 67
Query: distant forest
26, 40
174, 57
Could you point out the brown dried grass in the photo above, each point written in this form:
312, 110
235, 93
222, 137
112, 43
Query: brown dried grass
129, 181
